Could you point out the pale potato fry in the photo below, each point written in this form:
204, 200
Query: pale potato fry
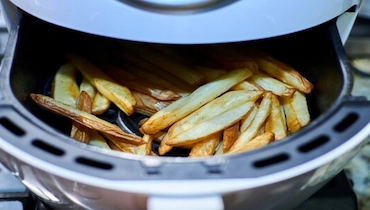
98, 140
230, 135
65, 88
257, 142
227, 101
121, 96
252, 130
163, 146
100, 104
204, 129
275, 122
246, 85
296, 111
247, 119
184, 106
147, 105
146, 148
271, 84
86, 119
283, 72
206, 147
78, 131
88, 87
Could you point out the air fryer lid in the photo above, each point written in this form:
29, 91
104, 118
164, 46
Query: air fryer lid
36, 50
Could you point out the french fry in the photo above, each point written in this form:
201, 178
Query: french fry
206, 147
121, 96
296, 111
257, 142
246, 85
252, 130
271, 84
86, 86
146, 148
86, 119
65, 88
247, 119
163, 146
155, 75
98, 140
184, 106
134, 83
275, 122
283, 72
230, 135
78, 131
227, 101
147, 105
204, 129
118, 94
100, 104
172, 66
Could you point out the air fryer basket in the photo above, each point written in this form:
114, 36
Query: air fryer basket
36, 49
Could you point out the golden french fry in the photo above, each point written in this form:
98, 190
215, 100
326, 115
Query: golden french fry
206, 147
116, 143
257, 142
147, 105
271, 84
65, 88
87, 87
78, 131
230, 135
283, 72
146, 148
163, 146
204, 129
252, 130
84, 118
155, 75
98, 140
246, 85
227, 101
296, 111
134, 83
247, 119
275, 122
121, 96
100, 104
184, 106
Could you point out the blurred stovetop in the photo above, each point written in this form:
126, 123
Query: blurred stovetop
358, 49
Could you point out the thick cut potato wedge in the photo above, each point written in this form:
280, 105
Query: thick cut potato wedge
65, 88
146, 104
121, 96
296, 111
230, 135
86, 119
98, 140
80, 132
184, 106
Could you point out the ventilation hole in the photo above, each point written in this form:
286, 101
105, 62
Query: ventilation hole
315, 143
47, 147
346, 122
153, 171
214, 170
12, 127
271, 160
94, 163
